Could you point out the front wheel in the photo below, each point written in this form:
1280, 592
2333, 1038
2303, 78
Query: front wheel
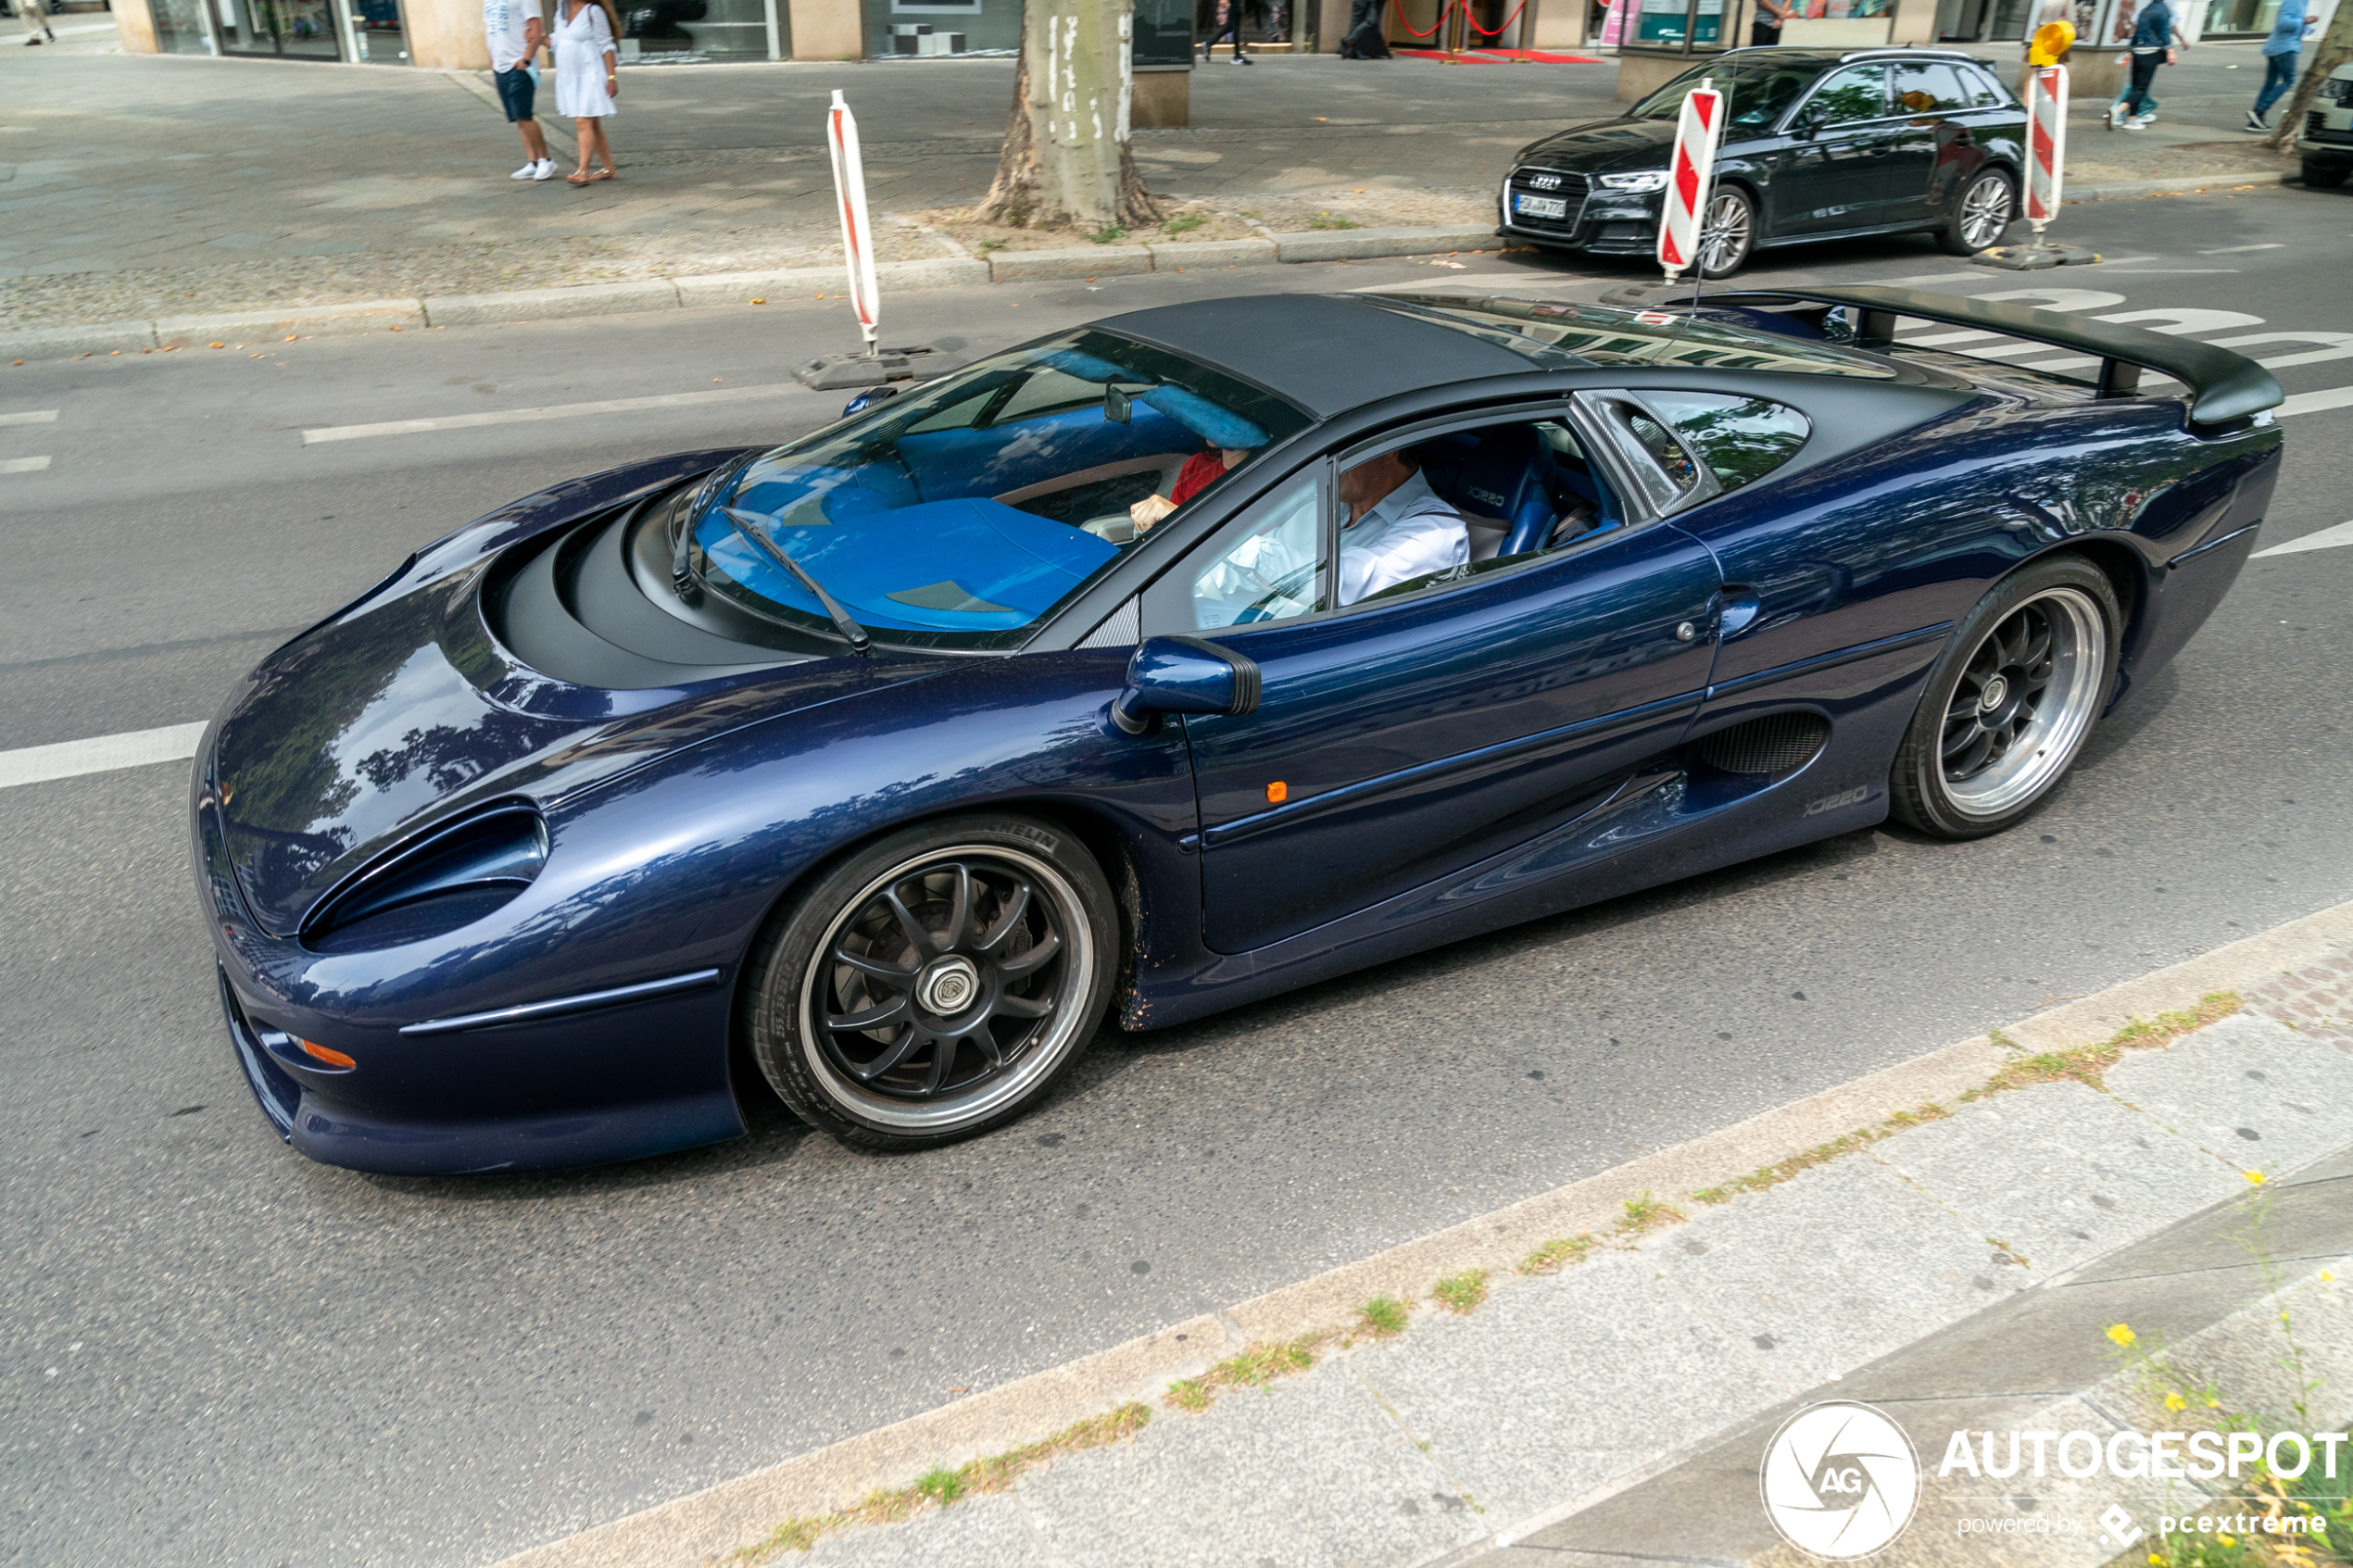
2010, 704
2324, 176
1728, 235
1986, 206
936, 984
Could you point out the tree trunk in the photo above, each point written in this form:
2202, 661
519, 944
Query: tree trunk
1067, 163
2337, 48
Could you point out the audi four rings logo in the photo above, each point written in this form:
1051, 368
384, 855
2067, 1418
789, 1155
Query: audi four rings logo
1545, 182
1840, 1481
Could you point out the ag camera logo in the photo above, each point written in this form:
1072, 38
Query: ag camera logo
1840, 1481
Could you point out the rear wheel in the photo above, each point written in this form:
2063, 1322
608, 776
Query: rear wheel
1984, 208
2010, 704
1728, 233
2323, 176
936, 984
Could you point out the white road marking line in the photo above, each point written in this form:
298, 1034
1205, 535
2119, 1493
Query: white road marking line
32, 417
2326, 539
2315, 402
2233, 250
23, 464
554, 411
66, 760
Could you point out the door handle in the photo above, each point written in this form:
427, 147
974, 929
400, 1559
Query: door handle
1739, 608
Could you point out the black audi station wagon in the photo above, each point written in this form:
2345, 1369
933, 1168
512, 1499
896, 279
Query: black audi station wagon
1818, 144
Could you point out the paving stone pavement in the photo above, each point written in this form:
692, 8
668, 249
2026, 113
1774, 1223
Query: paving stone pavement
1961, 1272
144, 186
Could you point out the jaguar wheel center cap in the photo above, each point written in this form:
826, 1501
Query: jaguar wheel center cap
948, 986
1998, 691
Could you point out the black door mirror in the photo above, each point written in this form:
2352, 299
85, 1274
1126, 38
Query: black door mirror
1184, 675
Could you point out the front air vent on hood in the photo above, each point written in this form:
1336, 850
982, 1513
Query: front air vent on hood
448, 879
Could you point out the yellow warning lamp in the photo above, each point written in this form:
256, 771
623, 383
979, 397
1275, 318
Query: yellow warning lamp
2051, 41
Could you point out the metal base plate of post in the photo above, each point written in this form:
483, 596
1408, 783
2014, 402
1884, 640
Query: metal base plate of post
830, 373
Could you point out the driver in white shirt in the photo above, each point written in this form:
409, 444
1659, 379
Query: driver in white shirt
1398, 527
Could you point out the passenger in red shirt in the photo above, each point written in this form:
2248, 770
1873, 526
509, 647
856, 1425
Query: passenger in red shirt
1191, 480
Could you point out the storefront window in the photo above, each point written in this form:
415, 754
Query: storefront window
2227, 17
905, 30
179, 27
692, 31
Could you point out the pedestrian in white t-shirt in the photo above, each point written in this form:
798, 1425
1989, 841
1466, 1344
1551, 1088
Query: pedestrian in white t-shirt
514, 31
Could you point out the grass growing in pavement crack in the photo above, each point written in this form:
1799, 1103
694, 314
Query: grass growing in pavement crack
1646, 1213
1820, 1154
1461, 1294
1557, 1254
2089, 1064
1383, 1317
1253, 1366
943, 1486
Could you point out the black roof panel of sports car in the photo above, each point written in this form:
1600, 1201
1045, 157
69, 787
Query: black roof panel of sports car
1326, 353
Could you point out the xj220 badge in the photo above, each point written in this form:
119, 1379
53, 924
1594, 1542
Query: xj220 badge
1840, 1481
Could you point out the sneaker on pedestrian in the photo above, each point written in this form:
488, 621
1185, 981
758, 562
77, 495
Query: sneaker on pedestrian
2135, 125
2255, 123
544, 168
530, 170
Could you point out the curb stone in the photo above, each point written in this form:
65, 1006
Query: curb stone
319, 320
738, 288
720, 1518
2116, 189
1079, 261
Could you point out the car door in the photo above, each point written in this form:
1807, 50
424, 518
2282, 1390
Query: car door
1833, 174
1933, 149
1411, 735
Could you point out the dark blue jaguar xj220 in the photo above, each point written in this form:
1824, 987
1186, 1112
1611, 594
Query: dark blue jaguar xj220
882, 765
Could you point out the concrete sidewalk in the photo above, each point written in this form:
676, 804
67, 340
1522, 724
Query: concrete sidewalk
147, 188
1587, 1378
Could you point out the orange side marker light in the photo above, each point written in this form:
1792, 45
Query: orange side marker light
322, 1054
1277, 792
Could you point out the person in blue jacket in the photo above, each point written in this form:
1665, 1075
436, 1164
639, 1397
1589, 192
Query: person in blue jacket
2280, 53
2154, 37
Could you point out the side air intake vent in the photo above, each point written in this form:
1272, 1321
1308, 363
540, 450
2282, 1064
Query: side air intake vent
1779, 742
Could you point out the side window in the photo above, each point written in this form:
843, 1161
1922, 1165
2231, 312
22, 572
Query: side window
1983, 92
1927, 87
1658, 460
1266, 565
1741, 439
1857, 93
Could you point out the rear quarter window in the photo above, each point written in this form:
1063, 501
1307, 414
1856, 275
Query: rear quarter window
1739, 439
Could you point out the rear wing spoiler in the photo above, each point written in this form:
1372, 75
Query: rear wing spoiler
2223, 386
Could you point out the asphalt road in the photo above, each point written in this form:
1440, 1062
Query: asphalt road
219, 1353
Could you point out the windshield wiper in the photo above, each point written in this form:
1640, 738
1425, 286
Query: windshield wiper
745, 523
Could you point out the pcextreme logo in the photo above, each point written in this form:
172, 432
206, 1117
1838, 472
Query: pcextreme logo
1840, 1481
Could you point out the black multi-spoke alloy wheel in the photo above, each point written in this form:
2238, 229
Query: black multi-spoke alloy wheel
1981, 212
1727, 232
2010, 704
936, 983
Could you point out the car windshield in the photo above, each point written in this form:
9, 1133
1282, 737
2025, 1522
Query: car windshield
1760, 90
960, 514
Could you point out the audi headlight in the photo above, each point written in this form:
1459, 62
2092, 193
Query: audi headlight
1633, 183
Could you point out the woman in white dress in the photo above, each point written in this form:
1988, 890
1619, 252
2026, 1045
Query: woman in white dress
586, 81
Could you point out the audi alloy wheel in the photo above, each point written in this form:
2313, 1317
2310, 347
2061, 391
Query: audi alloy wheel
1727, 234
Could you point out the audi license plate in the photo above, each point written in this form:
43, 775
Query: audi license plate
1541, 206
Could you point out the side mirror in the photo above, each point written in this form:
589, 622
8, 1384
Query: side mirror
1809, 119
869, 397
1184, 675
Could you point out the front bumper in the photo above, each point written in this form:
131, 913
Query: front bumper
623, 1080
1601, 222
